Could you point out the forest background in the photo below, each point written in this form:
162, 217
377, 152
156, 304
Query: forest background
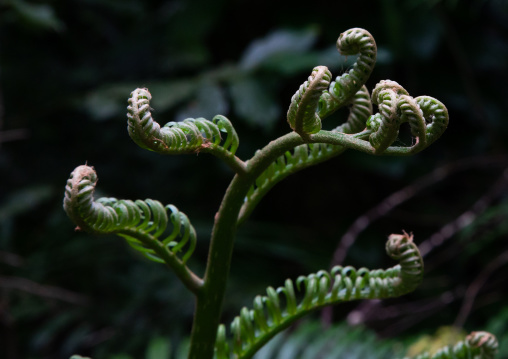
66, 71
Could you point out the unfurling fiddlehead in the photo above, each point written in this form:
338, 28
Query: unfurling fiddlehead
144, 224
427, 117
307, 155
351, 42
254, 327
189, 136
477, 345
302, 116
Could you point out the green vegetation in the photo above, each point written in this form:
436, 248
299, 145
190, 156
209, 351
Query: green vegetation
144, 223
66, 71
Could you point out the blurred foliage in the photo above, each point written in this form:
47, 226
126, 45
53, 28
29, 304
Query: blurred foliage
444, 336
66, 71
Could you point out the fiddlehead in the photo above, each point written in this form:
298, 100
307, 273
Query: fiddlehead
302, 116
144, 224
351, 42
307, 155
359, 113
254, 327
189, 136
427, 117
478, 345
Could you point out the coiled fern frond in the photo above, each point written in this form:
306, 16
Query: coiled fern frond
302, 116
477, 345
427, 117
351, 42
145, 225
359, 113
307, 155
254, 327
189, 136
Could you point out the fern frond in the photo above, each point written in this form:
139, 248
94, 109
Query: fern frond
301, 157
477, 345
143, 224
254, 327
359, 113
427, 117
351, 42
307, 155
189, 136
302, 116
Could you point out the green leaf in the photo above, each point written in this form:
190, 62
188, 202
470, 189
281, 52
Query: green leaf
277, 43
158, 348
254, 103
37, 15
209, 101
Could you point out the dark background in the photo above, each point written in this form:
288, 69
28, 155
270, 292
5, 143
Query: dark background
66, 71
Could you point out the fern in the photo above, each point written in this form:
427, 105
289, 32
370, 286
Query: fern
427, 117
351, 42
478, 345
188, 136
253, 328
164, 234
302, 116
143, 224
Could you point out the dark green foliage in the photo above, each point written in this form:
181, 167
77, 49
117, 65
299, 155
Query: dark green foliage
62, 103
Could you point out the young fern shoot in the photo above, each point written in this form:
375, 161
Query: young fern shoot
165, 235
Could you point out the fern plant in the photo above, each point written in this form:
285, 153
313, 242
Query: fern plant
165, 235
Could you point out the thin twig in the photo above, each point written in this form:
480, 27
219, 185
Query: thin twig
466, 218
476, 285
405, 194
46, 291
11, 259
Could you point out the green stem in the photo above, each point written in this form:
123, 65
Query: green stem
188, 278
211, 295
210, 298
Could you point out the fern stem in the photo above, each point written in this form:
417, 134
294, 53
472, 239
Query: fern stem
187, 276
210, 299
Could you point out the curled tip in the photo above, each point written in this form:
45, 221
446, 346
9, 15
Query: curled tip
486, 341
384, 85
352, 41
302, 116
142, 93
397, 243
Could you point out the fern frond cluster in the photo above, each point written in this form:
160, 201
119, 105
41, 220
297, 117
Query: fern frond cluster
164, 234
427, 117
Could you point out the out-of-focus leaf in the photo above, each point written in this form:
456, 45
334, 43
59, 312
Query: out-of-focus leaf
75, 338
183, 349
252, 102
24, 200
119, 356
209, 101
158, 348
51, 329
168, 94
426, 38
444, 336
37, 15
310, 341
277, 43
109, 101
